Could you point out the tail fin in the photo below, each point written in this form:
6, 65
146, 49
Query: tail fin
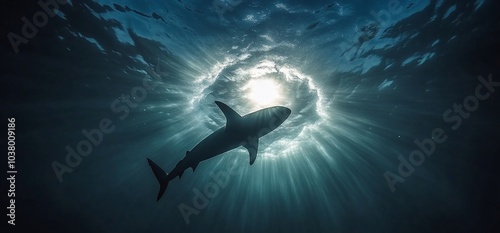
161, 176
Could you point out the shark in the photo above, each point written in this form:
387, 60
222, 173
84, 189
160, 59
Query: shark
238, 131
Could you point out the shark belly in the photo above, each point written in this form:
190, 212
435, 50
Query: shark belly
215, 144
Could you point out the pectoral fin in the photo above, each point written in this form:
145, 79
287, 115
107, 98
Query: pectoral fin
252, 146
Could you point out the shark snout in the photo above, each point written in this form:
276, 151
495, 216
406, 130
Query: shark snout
288, 111
285, 112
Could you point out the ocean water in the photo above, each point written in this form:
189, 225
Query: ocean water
394, 124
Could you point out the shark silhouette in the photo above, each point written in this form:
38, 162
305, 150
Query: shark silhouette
239, 131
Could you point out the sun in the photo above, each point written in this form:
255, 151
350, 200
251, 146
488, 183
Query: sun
263, 92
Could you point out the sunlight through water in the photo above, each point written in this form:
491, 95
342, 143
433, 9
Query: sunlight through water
358, 104
263, 92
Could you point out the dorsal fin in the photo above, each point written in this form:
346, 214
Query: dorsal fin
232, 117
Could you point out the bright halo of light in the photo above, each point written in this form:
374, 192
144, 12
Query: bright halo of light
263, 92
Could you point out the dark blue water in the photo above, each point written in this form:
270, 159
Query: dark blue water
394, 125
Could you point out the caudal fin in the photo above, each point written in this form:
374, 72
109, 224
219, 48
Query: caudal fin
161, 176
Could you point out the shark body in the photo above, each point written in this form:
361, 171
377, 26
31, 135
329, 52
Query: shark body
239, 131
